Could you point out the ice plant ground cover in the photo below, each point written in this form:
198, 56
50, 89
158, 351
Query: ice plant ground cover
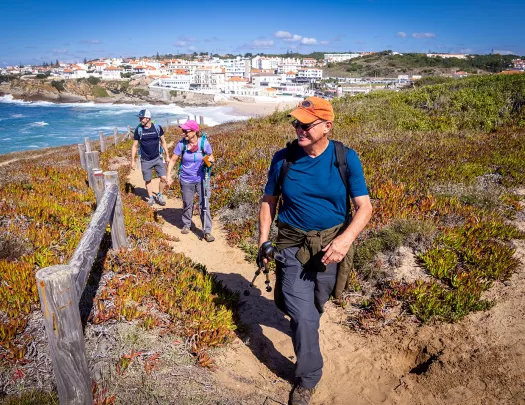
45, 206
442, 164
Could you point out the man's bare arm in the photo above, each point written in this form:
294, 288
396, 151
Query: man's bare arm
266, 216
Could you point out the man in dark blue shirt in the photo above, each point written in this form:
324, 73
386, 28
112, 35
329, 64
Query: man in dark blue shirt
148, 139
315, 231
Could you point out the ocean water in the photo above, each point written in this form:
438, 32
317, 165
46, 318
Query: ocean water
34, 125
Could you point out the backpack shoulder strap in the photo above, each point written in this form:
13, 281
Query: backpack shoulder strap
289, 159
139, 129
203, 141
341, 163
157, 128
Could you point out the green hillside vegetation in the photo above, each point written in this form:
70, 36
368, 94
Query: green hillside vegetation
384, 64
441, 164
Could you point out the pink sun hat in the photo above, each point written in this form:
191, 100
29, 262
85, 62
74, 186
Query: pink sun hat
190, 125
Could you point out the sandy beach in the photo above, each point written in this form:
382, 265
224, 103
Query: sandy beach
260, 108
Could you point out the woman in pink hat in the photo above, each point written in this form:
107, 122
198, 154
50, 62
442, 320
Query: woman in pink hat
196, 156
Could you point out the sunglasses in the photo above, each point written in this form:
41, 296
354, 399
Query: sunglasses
305, 127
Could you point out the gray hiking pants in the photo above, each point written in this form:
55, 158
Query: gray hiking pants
188, 194
304, 294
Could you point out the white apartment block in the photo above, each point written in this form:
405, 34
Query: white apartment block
309, 62
234, 84
339, 57
237, 67
311, 74
111, 73
263, 62
448, 55
208, 78
180, 80
266, 80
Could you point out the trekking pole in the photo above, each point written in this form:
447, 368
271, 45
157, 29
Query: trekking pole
266, 251
205, 197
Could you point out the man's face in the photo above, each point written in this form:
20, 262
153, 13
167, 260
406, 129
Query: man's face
310, 134
144, 121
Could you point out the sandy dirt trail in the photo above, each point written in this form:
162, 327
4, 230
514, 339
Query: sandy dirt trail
360, 370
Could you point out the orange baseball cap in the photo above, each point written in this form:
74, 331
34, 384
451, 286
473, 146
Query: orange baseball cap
313, 108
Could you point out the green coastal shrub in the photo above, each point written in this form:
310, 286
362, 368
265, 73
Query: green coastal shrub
59, 85
99, 91
93, 80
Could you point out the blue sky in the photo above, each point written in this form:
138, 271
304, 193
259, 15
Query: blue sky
37, 31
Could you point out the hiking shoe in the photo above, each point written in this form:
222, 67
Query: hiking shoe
301, 395
185, 230
208, 237
161, 200
151, 201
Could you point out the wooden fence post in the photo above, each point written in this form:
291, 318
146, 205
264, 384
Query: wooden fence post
195, 118
115, 136
128, 135
82, 153
167, 124
84, 255
92, 162
178, 122
59, 303
102, 141
118, 230
201, 120
88, 144
98, 184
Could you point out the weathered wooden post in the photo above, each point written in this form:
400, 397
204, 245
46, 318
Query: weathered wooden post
88, 144
59, 303
115, 136
82, 153
128, 135
98, 184
92, 162
84, 255
195, 118
118, 230
201, 120
102, 141
167, 124
178, 122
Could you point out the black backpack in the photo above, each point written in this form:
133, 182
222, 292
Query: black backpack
292, 149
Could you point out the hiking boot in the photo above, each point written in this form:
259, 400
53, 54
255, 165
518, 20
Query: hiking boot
208, 237
161, 200
151, 201
185, 230
301, 395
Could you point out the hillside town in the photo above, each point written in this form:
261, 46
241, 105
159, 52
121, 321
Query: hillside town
269, 76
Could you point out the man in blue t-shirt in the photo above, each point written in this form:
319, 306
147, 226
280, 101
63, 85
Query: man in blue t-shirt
315, 231
148, 139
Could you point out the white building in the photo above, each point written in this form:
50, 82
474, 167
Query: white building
339, 57
208, 78
237, 67
180, 80
309, 62
111, 73
234, 84
447, 55
266, 79
311, 74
